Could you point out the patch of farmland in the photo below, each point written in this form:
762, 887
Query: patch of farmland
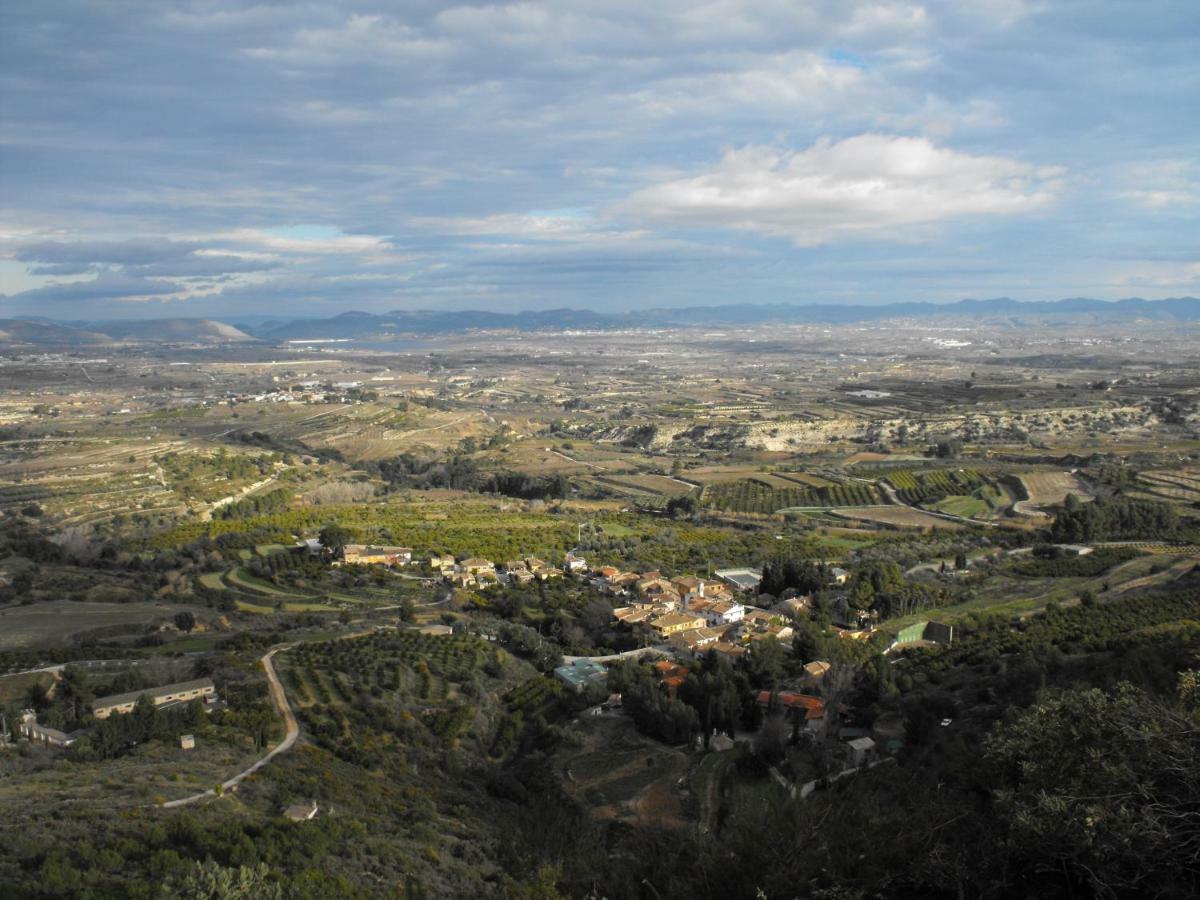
899, 517
752, 495
985, 502
56, 621
1180, 486
239, 578
1048, 489
652, 485
805, 479
930, 486
616, 777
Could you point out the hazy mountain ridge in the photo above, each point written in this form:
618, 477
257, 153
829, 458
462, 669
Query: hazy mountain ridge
363, 325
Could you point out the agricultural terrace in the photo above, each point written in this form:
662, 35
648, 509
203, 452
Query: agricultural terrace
914, 486
759, 495
447, 688
407, 665
899, 517
465, 527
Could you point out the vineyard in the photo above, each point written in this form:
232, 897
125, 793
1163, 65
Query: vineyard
753, 496
929, 487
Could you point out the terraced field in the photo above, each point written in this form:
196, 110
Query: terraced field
899, 517
1179, 485
916, 486
754, 495
424, 666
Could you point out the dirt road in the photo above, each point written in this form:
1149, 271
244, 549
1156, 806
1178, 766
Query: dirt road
289, 739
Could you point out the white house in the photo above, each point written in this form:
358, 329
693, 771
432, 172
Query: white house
725, 612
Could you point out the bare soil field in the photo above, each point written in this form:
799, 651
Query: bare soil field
621, 776
1047, 489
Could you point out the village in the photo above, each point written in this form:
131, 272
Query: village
679, 621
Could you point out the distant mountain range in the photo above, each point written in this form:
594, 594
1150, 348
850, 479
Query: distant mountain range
366, 326
44, 332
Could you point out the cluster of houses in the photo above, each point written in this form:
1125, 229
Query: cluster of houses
695, 615
470, 572
164, 697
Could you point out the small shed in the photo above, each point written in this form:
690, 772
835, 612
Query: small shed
301, 812
862, 751
187, 741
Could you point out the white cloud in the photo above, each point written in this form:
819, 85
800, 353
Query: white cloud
536, 226
776, 85
1156, 275
1166, 183
872, 185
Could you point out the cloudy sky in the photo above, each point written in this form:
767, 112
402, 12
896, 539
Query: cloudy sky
225, 157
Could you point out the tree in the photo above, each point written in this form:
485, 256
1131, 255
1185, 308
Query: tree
408, 610
334, 538
770, 744
185, 621
211, 881
681, 507
1102, 788
766, 663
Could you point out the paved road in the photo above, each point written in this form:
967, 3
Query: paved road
289, 739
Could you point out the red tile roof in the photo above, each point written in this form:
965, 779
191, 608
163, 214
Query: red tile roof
791, 700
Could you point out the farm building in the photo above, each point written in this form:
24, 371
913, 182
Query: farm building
934, 632
861, 751
44, 734
740, 579
301, 812
579, 674
183, 692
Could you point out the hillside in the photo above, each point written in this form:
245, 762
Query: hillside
186, 331
19, 331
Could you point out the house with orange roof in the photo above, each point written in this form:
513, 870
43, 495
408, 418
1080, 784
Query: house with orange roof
810, 710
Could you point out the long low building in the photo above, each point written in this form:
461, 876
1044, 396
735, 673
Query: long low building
183, 692
44, 734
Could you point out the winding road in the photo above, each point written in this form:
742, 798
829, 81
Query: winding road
289, 739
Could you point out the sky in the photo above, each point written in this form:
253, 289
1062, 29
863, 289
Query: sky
220, 158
